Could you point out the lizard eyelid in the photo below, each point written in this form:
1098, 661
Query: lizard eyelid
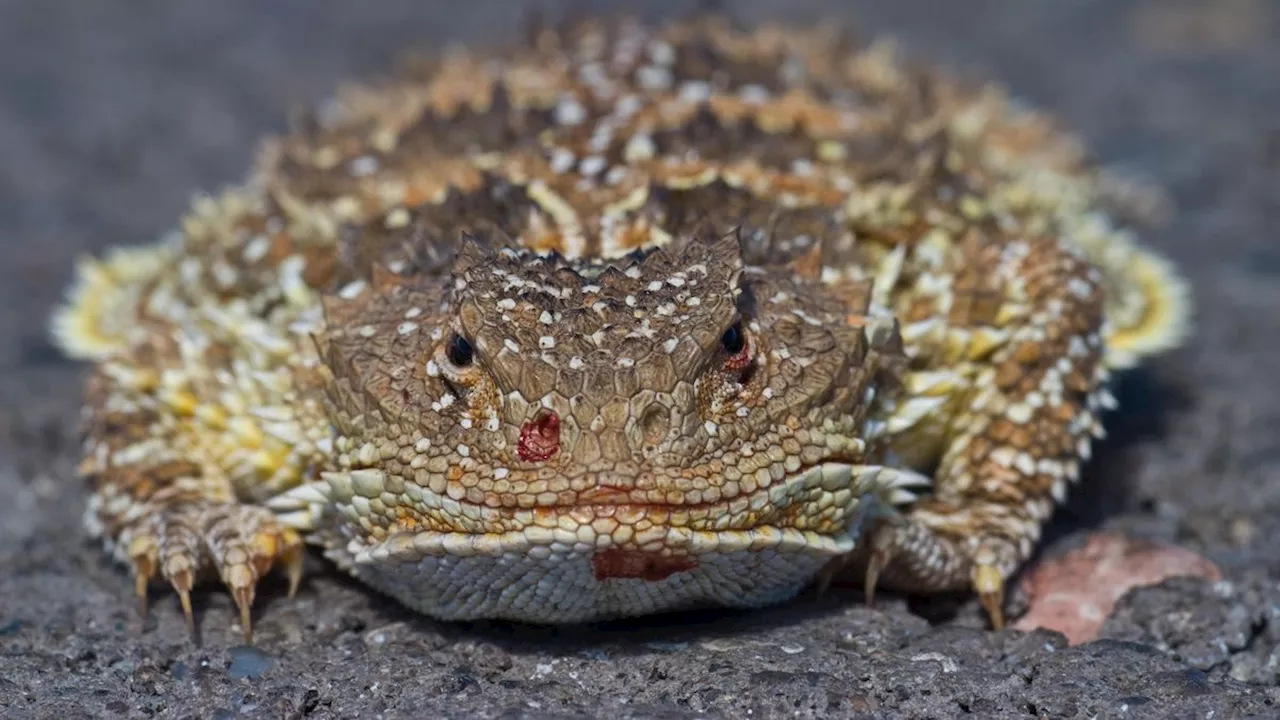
457, 361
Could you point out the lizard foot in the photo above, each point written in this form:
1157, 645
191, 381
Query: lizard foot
905, 553
239, 543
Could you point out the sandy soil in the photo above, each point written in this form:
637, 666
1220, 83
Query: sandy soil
112, 114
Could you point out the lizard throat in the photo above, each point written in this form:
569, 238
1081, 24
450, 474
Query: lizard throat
586, 562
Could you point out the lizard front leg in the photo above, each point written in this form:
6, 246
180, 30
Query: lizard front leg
162, 458
1002, 407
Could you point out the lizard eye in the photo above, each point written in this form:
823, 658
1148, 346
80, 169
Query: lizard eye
737, 348
734, 340
459, 351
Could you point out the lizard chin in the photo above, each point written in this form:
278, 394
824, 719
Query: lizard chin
593, 561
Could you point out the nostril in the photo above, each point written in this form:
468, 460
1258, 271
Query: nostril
655, 422
539, 437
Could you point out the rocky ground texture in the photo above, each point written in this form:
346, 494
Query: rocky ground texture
112, 114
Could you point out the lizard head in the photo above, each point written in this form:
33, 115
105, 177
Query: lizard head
668, 403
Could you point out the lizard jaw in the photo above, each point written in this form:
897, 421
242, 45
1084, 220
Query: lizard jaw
593, 567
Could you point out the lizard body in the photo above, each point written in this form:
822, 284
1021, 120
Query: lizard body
617, 320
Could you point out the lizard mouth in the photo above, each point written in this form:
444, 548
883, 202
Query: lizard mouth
818, 510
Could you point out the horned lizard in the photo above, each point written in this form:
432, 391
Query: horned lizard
617, 319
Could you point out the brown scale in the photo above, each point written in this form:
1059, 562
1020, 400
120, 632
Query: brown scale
774, 57
769, 234
497, 212
431, 142
709, 54
608, 393
499, 126
978, 294
707, 137
976, 496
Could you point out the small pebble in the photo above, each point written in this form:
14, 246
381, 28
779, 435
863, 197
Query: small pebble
248, 662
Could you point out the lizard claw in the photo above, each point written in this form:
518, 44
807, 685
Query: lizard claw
882, 541
182, 583
141, 579
240, 542
184, 597
875, 564
144, 569
294, 558
988, 583
243, 595
245, 544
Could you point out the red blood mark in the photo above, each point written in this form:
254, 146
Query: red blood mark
540, 437
645, 566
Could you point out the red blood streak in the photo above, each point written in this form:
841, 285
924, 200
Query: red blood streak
540, 437
645, 566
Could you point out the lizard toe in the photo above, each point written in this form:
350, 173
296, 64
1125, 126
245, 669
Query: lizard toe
180, 554
245, 542
988, 580
239, 543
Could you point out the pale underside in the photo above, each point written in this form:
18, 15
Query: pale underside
797, 304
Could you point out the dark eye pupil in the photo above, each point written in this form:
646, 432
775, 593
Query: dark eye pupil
460, 352
733, 339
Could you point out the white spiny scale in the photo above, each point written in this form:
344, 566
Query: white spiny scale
901, 496
358, 551
913, 410
917, 331
983, 340
1107, 400
340, 489
831, 476
874, 427
934, 383
401, 547
305, 520
368, 482
273, 413
892, 483
289, 433
888, 271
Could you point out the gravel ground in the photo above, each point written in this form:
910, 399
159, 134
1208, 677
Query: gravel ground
111, 115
